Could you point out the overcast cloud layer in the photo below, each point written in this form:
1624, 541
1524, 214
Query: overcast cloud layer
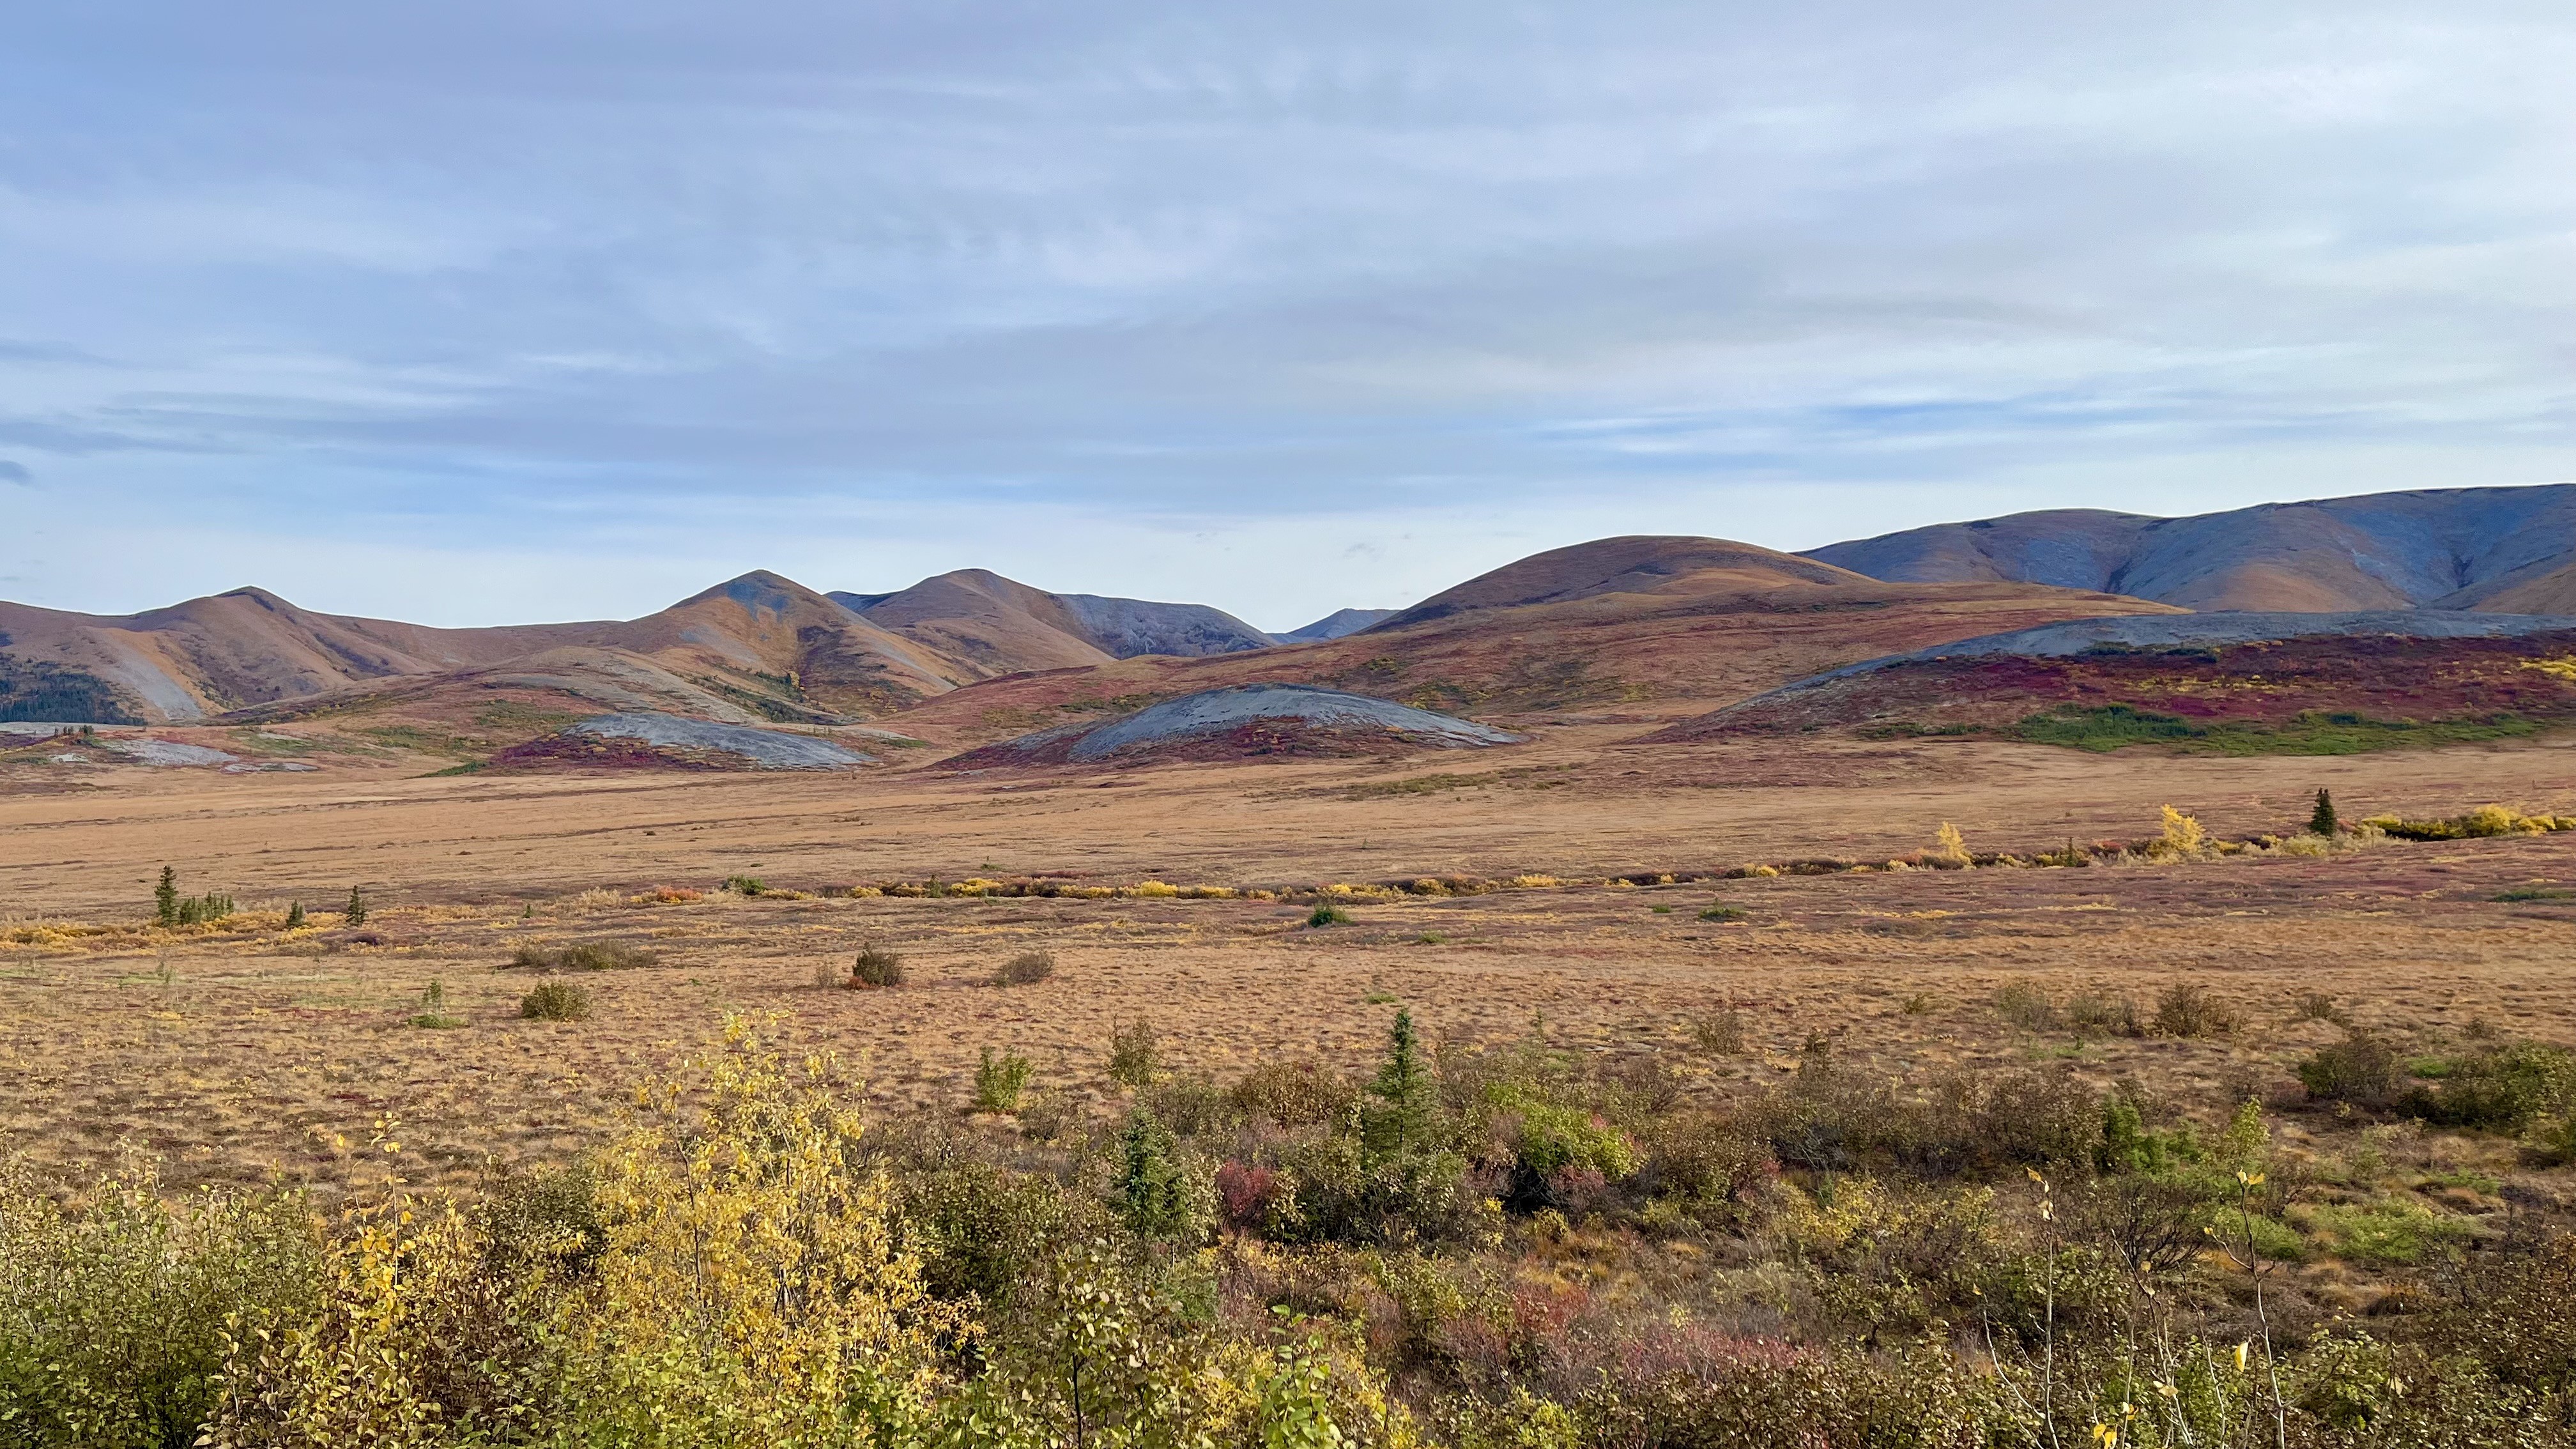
485, 312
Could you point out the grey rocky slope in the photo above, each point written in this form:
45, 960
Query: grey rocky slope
765, 749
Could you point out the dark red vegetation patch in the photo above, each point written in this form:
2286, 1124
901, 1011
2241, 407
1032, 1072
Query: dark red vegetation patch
2378, 677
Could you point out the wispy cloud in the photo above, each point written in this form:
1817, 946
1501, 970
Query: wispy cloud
1226, 291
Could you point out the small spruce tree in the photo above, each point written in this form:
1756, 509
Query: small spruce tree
2323, 821
1153, 1190
295, 916
355, 912
1404, 1086
165, 897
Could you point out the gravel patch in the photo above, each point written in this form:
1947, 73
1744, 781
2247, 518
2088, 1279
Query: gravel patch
767, 749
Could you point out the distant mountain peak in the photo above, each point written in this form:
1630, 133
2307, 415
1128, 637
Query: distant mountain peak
2457, 548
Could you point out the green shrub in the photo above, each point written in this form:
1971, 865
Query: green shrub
1327, 914
2362, 1070
1025, 969
876, 967
746, 885
1155, 1194
433, 1010
354, 913
1724, 913
115, 1310
999, 1081
1135, 1054
2500, 1090
555, 1001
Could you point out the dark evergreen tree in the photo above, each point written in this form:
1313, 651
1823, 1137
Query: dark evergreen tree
165, 897
2322, 821
355, 912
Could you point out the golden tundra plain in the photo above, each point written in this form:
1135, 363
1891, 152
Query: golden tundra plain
247, 1052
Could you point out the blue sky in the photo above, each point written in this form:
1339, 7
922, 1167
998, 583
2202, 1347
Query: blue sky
484, 312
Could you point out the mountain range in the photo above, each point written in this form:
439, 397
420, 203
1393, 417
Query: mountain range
2502, 550
1634, 618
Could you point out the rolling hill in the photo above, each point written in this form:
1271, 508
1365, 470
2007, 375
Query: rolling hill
1657, 628
2509, 550
992, 625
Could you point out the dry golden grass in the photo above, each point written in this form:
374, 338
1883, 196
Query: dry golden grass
234, 1055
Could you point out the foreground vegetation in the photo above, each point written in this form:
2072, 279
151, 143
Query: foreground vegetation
1513, 1247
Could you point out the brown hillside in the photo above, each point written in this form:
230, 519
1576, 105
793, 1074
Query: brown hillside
246, 647
1696, 643
1636, 564
987, 623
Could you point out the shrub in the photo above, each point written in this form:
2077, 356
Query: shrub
433, 1010
1327, 914
2316, 1006
2091, 1015
1294, 1094
2362, 1070
2180, 836
1723, 913
999, 1081
582, 956
1719, 1033
1134, 1053
1949, 849
1025, 969
115, 1312
2027, 1006
169, 908
2183, 1009
876, 967
745, 885
555, 1001
295, 916
2501, 1089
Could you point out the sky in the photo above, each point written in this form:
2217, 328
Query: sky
510, 310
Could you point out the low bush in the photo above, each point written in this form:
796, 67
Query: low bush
1327, 914
1025, 969
1294, 1094
433, 1014
746, 885
583, 956
555, 1001
2485, 822
2362, 1070
999, 1081
1135, 1054
1724, 913
2186, 1010
876, 967
2501, 1089
1719, 1033
2027, 1006
2089, 1014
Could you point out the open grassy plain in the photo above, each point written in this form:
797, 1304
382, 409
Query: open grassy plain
1817, 1117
